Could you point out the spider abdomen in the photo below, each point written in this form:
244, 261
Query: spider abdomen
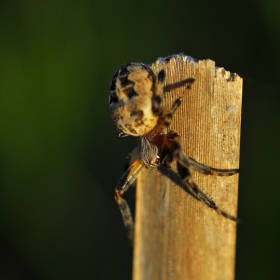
131, 102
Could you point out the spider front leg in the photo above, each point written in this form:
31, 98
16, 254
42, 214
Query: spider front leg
157, 93
122, 186
168, 117
183, 165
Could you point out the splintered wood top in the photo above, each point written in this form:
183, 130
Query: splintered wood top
176, 236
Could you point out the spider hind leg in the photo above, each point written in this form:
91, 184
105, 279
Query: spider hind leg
194, 189
206, 170
183, 166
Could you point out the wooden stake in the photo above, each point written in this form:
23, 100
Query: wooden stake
176, 236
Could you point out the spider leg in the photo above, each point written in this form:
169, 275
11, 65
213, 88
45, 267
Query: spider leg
122, 186
157, 93
206, 170
183, 164
168, 117
188, 162
199, 194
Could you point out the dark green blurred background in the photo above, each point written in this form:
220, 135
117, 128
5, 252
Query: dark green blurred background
60, 156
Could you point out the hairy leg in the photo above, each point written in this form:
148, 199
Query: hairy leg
122, 186
168, 117
183, 165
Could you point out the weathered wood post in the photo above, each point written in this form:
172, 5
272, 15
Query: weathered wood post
176, 236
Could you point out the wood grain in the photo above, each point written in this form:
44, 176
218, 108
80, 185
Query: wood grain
176, 236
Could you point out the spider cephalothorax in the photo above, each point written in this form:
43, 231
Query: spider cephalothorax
135, 99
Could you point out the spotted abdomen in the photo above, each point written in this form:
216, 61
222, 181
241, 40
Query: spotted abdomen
131, 99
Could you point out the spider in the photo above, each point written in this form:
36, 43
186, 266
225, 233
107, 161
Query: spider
135, 99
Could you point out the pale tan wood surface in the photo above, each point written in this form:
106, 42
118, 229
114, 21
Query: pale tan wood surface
176, 236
